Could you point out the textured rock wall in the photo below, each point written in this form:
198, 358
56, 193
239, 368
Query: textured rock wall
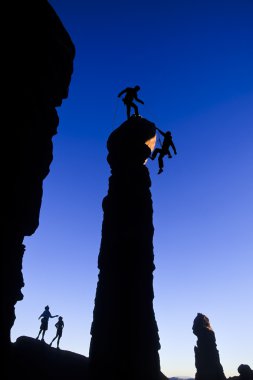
38, 64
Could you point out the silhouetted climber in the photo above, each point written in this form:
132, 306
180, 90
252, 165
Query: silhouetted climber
131, 95
164, 150
59, 327
44, 322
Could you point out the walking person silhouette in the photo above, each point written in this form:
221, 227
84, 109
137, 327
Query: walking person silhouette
128, 100
164, 150
44, 322
59, 327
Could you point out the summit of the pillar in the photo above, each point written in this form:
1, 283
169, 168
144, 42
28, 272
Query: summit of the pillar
131, 143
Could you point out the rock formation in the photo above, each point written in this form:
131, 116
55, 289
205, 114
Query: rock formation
38, 66
246, 373
207, 360
124, 334
33, 359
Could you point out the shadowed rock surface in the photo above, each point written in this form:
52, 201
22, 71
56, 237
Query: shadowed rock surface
125, 340
207, 360
38, 58
246, 373
33, 359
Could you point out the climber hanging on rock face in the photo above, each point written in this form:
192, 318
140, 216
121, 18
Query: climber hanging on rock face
128, 100
164, 150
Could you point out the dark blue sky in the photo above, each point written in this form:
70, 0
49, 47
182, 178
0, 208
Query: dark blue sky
193, 61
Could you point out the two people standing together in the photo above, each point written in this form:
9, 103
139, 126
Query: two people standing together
45, 315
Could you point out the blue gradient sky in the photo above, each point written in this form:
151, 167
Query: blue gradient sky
193, 61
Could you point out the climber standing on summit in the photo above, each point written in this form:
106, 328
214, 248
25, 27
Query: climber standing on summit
128, 100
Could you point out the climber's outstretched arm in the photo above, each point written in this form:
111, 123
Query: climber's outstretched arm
122, 92
159, 130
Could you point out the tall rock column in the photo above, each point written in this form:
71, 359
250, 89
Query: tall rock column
124, 334
207, 360
38, 58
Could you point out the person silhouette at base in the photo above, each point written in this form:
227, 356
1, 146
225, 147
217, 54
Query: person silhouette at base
164, 150
44, 322
128, 100
59, 327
